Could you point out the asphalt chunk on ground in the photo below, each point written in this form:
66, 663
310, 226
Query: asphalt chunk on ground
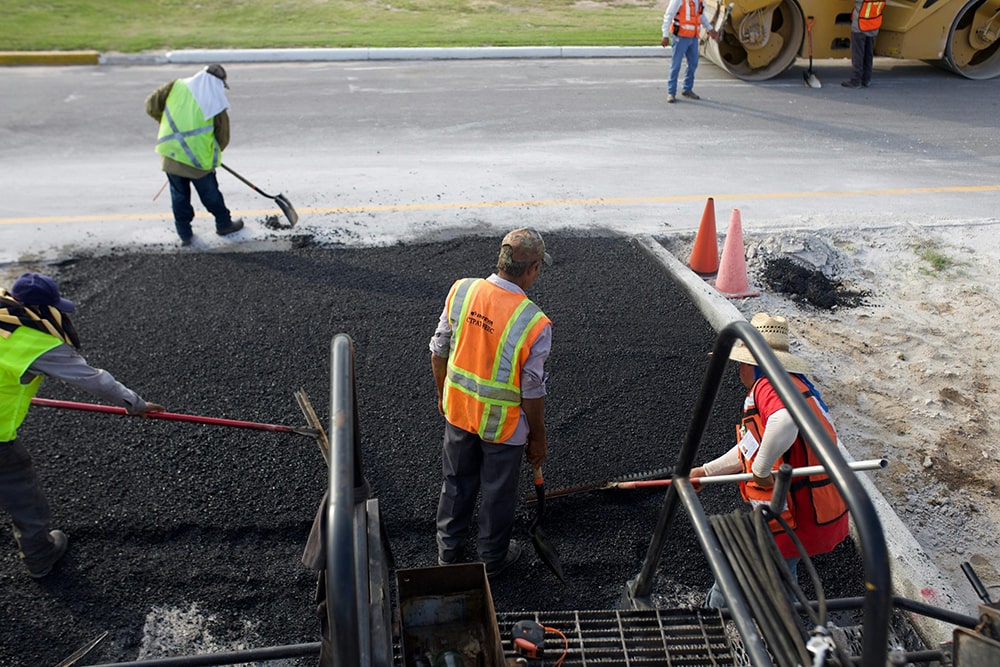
181, 520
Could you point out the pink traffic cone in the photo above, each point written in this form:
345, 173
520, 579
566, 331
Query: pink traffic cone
731, 280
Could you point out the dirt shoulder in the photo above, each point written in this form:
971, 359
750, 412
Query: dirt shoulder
905, 353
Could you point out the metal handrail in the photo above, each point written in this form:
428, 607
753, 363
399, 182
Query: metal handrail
875, 557
345, 476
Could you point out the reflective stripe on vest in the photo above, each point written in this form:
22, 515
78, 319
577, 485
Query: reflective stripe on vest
870, 15
185, 134
482, 392
17, 352
825, 501
688, 26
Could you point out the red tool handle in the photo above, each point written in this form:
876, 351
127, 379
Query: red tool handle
174, 416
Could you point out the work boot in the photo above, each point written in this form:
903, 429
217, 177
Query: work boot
39, 566
691, 95
671, 98
234, 226
498, 566
850, 84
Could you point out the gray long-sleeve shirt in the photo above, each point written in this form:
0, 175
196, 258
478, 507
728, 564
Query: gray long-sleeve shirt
65, 363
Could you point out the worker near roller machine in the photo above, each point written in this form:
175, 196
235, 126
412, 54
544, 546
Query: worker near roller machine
37, 339
767, 436
682, 21
488, 357
194, 130
866, 19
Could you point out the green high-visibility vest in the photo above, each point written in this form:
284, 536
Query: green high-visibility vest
18, 351
185, 134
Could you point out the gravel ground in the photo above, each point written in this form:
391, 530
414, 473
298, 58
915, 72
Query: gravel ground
186, 538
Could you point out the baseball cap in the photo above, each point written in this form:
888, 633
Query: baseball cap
218, 71
526, 245
35, 289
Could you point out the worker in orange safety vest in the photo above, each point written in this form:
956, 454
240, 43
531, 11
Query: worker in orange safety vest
488, 354
865, 23
767, 436
682, 22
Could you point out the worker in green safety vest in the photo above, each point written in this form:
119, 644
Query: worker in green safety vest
194, 130
37, 338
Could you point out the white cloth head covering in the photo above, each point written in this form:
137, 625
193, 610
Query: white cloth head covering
210, 93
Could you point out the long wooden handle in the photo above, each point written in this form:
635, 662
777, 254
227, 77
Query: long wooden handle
174, 416
807, 471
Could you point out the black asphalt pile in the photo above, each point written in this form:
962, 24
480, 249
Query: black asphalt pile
174, 517
809, 285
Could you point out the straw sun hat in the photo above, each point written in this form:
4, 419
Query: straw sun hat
774, 329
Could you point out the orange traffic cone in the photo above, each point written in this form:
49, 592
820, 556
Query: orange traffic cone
705, 253
732, 279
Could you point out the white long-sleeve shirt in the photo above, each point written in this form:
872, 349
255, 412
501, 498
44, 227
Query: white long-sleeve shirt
675, 6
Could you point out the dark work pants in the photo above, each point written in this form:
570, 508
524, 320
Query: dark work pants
22, 498
207, 188
470, 466
862, 54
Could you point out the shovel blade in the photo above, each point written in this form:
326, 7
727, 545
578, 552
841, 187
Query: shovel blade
287, 209
546, 552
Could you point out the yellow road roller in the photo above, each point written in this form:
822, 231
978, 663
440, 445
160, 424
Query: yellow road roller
760, 39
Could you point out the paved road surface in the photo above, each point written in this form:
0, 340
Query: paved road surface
370, 152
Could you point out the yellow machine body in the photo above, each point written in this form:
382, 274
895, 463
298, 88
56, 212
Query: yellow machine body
762, 38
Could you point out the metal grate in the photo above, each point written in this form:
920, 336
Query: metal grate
661, 637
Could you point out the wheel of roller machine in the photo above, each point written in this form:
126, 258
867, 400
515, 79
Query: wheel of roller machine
761, 44
973, 48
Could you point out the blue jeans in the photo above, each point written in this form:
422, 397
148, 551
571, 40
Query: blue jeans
715, 598
683, 48
208, 191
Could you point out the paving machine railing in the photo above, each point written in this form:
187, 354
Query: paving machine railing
878, 594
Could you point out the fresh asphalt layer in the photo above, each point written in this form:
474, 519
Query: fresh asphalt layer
911, 571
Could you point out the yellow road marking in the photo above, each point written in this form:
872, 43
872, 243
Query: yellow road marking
602, 201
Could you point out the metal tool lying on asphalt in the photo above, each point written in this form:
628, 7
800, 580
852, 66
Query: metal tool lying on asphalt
279, 199
174, 416
543, 547
82, 652
869, 464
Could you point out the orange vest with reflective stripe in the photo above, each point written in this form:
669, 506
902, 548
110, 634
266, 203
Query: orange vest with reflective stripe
688, 18
816, 493
870, 15
492, 334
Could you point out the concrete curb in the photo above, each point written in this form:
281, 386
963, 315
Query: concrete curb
206, 56
913, 574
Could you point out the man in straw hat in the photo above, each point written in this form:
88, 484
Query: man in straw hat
767, 437
488, 357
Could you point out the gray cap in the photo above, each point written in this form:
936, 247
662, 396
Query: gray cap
218, 71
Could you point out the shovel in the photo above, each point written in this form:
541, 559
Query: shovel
808, 77
543, 547
279, 199
175, 416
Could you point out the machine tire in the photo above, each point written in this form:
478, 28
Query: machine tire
964, 58
786, 24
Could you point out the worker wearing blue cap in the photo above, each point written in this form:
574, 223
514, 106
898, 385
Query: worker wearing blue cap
37, 339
